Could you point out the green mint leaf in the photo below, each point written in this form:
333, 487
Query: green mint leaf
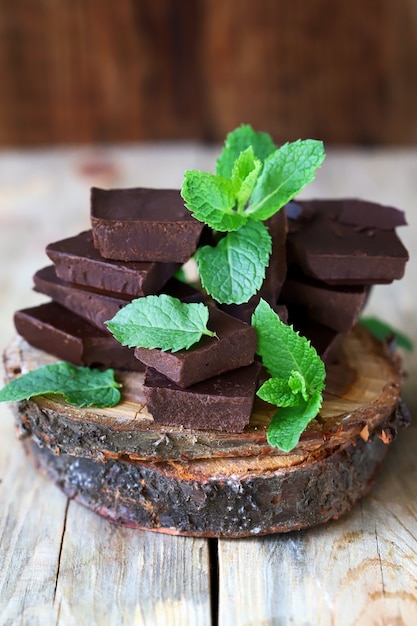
285, 173
236, 142
381, 330
234, 270
277, 391
212, 200
245, 172
160, 322
81, 386
284, 351
289, 422
297, 384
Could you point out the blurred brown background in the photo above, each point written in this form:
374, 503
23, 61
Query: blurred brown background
78, 71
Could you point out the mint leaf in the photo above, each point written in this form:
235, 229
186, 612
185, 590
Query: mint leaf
245, 172
288, 423
234, 270
211, 199
381, 330
285, 173
237, 141
81, 386
284, 351
297, 384
277, 391
297, 381
160, 322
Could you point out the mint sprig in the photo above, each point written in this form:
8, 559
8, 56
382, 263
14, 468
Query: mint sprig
253, 181
297, 377
160, 322
82, 386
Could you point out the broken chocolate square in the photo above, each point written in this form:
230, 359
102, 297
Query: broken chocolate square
77, 261
234, 346
337, 252
221, 403
54, 329
143, 225
94, 307
337, 307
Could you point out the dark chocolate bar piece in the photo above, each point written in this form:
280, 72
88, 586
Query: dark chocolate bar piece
94, 307
274, 275
143, 225
337, 307
222, 403
54, 329
233, 347
328, 248
325, 340
77, 261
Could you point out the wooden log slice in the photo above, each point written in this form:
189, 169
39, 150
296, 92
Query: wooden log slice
362, 392
234, 485
220, 497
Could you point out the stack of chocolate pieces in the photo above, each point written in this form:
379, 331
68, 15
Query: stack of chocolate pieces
336, 251
326, 256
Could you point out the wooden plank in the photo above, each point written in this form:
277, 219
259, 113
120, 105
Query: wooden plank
358, 570
321, 574
111, 575
65, 565
135, 70
32, 518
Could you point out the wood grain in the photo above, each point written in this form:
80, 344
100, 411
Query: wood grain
362, 390
361, 570
327, 576
134, 70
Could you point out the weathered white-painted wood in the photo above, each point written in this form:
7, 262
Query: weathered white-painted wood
32, 517
359, 570
111, 575
62, 565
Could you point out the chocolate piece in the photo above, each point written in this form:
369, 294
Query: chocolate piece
274, 275
94, 307
233, 347
222, 403
183, 291
365, 214
336, 307
143, 225
77, 261
54, 329
338, 253
324, 339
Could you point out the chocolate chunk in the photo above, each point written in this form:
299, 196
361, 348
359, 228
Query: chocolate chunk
337, 307
143, 225
222, 403
325, 340
54, 329
233, 347
77, 261
183, 291
365, 214
274, 275
339, 253
94, 307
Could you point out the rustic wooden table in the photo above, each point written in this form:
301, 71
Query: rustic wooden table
61, 564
